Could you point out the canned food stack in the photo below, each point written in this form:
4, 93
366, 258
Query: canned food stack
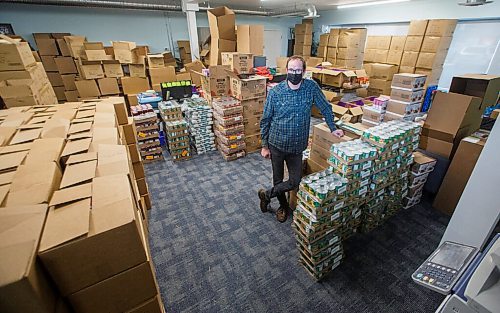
228, 121
422, 166
353, 160
317, 221
395, 142
199, 117
178, 140
148, 139
170, 111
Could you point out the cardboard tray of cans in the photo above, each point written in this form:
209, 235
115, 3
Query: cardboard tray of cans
229, 130
229, 139
233, 156
170, 110
233, 148
228, 120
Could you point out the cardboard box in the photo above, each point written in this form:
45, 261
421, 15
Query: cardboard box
162, 74
452, 117
378, 42
383, 71
153, 305
55, 79
435, 44
253, 107
195, 66
112, 68
397, 43
305, 40
413, 43
14, 54
69, 81
436, 146
215, 85
59, 91
433, 75
248, 88
155, 60
458, 174
319, 155
238, 63
402, 107
409, 81
422, 163
380, 56
372, 115
409, 59
24, 284
303, 29
123, 51
349, 64
431, 60
63, 47
407, 95
333, 41
417, 27
87, 88
65, 65
380, 86
96, 55
391, 116
132, 99
71, 95
49, 63
91, 69
137, 70
253, 142
108, 86
134, 85
441, 28
478, 85
331, 52
336, 78
323, 39
352, 37
323, 137
75, 45
322, 51
217, 46
369, 55
70, 254
349, 53
221, 21
47, 46
183, 76
394, 57
303, 50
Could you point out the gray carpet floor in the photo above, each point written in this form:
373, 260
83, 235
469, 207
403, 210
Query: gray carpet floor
214, 251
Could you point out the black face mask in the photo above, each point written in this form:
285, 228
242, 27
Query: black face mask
294, 79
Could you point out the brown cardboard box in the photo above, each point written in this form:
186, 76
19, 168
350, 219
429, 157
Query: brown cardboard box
137, 70
323, 137
352, 37
87, 88
196, 66
409, 59
409, 81
391, 116
63, 47
108, 86
436, 146
303, 50
407, 95
14, 54
331, 52
394, 57
155, 60
323, 39
112, 68
134, 85
49, 63
313, 61
238, 63
383, 71
431, 60
334, 31
319, 155
397, 43
336, 78
249, 88
47, 46
132, 99
372, 115
55, 79
182, 76
91, 69
253, 107
313, 167
435, 44
70, 254
123, 51
349, 53
59, 91
305, 40
303, 29
65, 65
401, 107
380, 56
162, 74
71, 95
322, 51
413, 43
333, 40
24, 286
441, 28
217, 46
153, 305
378, 42
417, 27
380, 86
215, 85
253, 142
349, 64
458, 174
69, 81
96, 55
433, 75
369, 55
221, 21
478, 85
75, 45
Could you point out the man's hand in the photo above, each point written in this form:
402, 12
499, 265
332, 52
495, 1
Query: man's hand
338, 133
265, 153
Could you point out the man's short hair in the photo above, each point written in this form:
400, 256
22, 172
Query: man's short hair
296, 57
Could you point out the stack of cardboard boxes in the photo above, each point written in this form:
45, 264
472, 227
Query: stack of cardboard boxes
184, 51
147, 132
422, 166
323, 47
350, 48
407, 95
303, 39
199, 116
221, 21
23, 81
176, 129
74, 231
426, 48
229, 129
71, 48
380, 78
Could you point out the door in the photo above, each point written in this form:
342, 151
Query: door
273, 44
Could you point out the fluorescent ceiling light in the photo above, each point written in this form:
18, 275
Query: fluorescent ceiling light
364, 4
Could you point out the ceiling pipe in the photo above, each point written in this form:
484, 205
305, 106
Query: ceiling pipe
152, 7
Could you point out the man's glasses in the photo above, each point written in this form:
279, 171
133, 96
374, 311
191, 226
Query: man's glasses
292, 71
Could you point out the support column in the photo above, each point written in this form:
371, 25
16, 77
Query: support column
190, 9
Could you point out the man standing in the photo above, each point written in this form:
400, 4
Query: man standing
285, 131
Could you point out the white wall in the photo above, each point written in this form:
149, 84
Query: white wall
144, 27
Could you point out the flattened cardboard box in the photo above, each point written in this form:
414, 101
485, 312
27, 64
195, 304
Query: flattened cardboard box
14, 55
112, 160
75, 255
108, 86
112, 68
87, 88
24, 285
134, 85
65, 65
417, 27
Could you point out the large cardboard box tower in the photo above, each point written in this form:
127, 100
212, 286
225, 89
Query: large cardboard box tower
221, 22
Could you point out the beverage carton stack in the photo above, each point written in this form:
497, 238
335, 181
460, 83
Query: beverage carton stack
176, 129
229, 129
146, 125
23, 81
374, 115
303, 39
407, 95
354, 161
422, 166
322, 198
395, 142
200, 119
74, 206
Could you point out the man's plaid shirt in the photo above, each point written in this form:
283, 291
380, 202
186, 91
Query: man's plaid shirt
287, 115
